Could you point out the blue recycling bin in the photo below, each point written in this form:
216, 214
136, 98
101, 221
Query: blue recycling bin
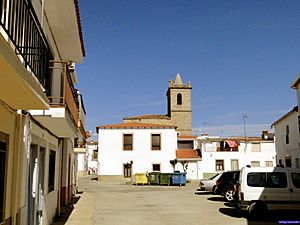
178, 178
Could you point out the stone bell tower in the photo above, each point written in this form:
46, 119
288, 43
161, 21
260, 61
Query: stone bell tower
180, 105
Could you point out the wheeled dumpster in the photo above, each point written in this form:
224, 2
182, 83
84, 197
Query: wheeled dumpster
165, 178
141, 178
153, 178
178, 178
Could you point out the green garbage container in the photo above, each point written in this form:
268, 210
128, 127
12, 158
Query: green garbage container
153, 178
165, 178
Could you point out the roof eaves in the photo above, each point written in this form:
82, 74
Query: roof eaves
295, 83
79, 26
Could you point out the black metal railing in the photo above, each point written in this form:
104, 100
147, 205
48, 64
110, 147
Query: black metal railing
19, 21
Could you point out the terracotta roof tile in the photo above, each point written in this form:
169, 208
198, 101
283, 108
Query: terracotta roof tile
79, 26
187, 154
147, 116
186, 137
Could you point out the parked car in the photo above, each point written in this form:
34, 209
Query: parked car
226, 184
209, 184
268, 188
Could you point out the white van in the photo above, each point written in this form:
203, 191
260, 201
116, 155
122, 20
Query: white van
268, 188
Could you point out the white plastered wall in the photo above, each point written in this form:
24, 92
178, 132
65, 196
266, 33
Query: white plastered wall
112, 156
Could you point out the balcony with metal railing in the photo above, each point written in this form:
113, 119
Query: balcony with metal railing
63, 92
23, 44
63, 117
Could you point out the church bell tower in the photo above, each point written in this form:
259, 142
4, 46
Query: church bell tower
180, 105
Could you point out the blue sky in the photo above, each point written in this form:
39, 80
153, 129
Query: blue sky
240, 57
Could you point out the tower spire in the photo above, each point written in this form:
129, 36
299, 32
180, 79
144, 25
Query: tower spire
178, 80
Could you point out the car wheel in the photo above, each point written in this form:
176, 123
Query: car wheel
213, 190
257, 211
229, 194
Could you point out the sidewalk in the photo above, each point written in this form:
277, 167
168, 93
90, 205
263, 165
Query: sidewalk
80, 212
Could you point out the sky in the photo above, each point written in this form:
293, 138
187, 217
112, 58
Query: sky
240, 57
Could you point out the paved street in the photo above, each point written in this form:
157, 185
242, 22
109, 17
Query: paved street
122, 204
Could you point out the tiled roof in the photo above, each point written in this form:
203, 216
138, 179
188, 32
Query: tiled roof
186, 137
187, 154
135, 126
148, 116
79, 26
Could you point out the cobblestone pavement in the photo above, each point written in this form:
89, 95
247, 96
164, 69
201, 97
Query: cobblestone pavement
112, 203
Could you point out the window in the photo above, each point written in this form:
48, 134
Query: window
269, 163
270, 180
297, 163
299, 124
219, 165
155, 141
255, 147
234, 164
288, 161
51, 178
276, 180
3, 152
95, 155
256, 179
179, 99
188, 144
255, 164
155, 167
127, 170
287, 139
296, 179
127, 140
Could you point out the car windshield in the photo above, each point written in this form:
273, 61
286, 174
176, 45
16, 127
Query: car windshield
213, 176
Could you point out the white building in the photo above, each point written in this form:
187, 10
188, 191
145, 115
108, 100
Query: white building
129, 148
188, 157
287, 134
220, 154
92, 157
288, 139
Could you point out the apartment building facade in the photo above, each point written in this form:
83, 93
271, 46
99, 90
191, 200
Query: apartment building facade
40, 113
224, 154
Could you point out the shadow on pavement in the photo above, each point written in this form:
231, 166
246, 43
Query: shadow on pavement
198, 192
274, 217
216, 199
66, 211
231, 212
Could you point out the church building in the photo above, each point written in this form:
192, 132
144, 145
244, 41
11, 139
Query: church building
179, 105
